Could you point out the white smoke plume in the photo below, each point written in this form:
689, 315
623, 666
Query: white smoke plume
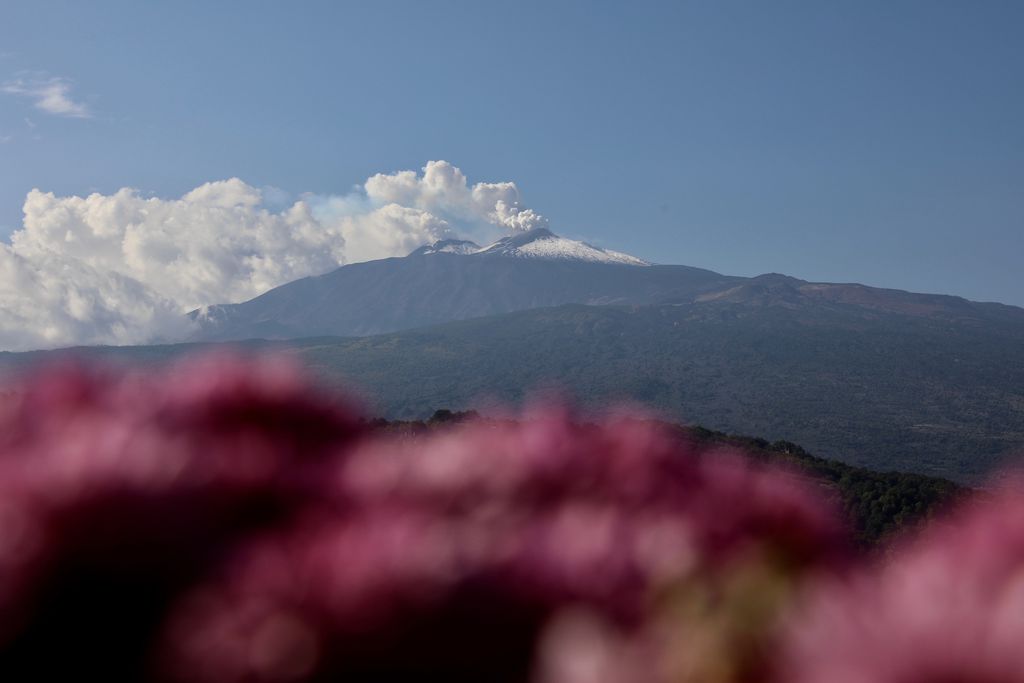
124, 268
443, 190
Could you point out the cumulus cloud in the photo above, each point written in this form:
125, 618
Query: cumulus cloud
124, 268
52, 95
52, 300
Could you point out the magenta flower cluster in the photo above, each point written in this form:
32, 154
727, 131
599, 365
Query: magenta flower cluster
223, 520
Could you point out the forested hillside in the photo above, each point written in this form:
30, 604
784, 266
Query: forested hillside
880, 391
880, 506
934, 395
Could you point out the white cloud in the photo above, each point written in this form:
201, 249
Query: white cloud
51, 300
49, 94
124, 268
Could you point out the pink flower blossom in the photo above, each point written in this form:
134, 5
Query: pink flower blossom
448, 557
948, 607
119, 489
222, 520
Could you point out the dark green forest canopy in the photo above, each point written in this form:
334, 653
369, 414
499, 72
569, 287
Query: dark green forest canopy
936, 396
879, 506
878, 391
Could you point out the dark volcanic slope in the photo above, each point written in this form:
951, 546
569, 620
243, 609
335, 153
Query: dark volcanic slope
429, 287
402, 293
882, 390
456, 280
939, 394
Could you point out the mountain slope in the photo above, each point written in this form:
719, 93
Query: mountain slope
458, 280
881, 390
877, 377
939, 394
452, 280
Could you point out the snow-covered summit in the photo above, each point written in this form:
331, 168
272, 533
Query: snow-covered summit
544, 244
448, 247
540, 243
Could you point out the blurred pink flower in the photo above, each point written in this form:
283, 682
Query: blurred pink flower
948, 607
449, 556
222, 520
117, 489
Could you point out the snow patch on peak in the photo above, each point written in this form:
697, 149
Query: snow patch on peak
448, 247
543, 244
561, 248
539, 243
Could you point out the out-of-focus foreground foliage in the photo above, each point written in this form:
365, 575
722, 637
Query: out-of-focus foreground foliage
878, 506
226, 521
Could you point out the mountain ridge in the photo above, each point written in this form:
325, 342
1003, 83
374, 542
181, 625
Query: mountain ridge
449, 280
457, 280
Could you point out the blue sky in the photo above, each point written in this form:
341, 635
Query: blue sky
880, 142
